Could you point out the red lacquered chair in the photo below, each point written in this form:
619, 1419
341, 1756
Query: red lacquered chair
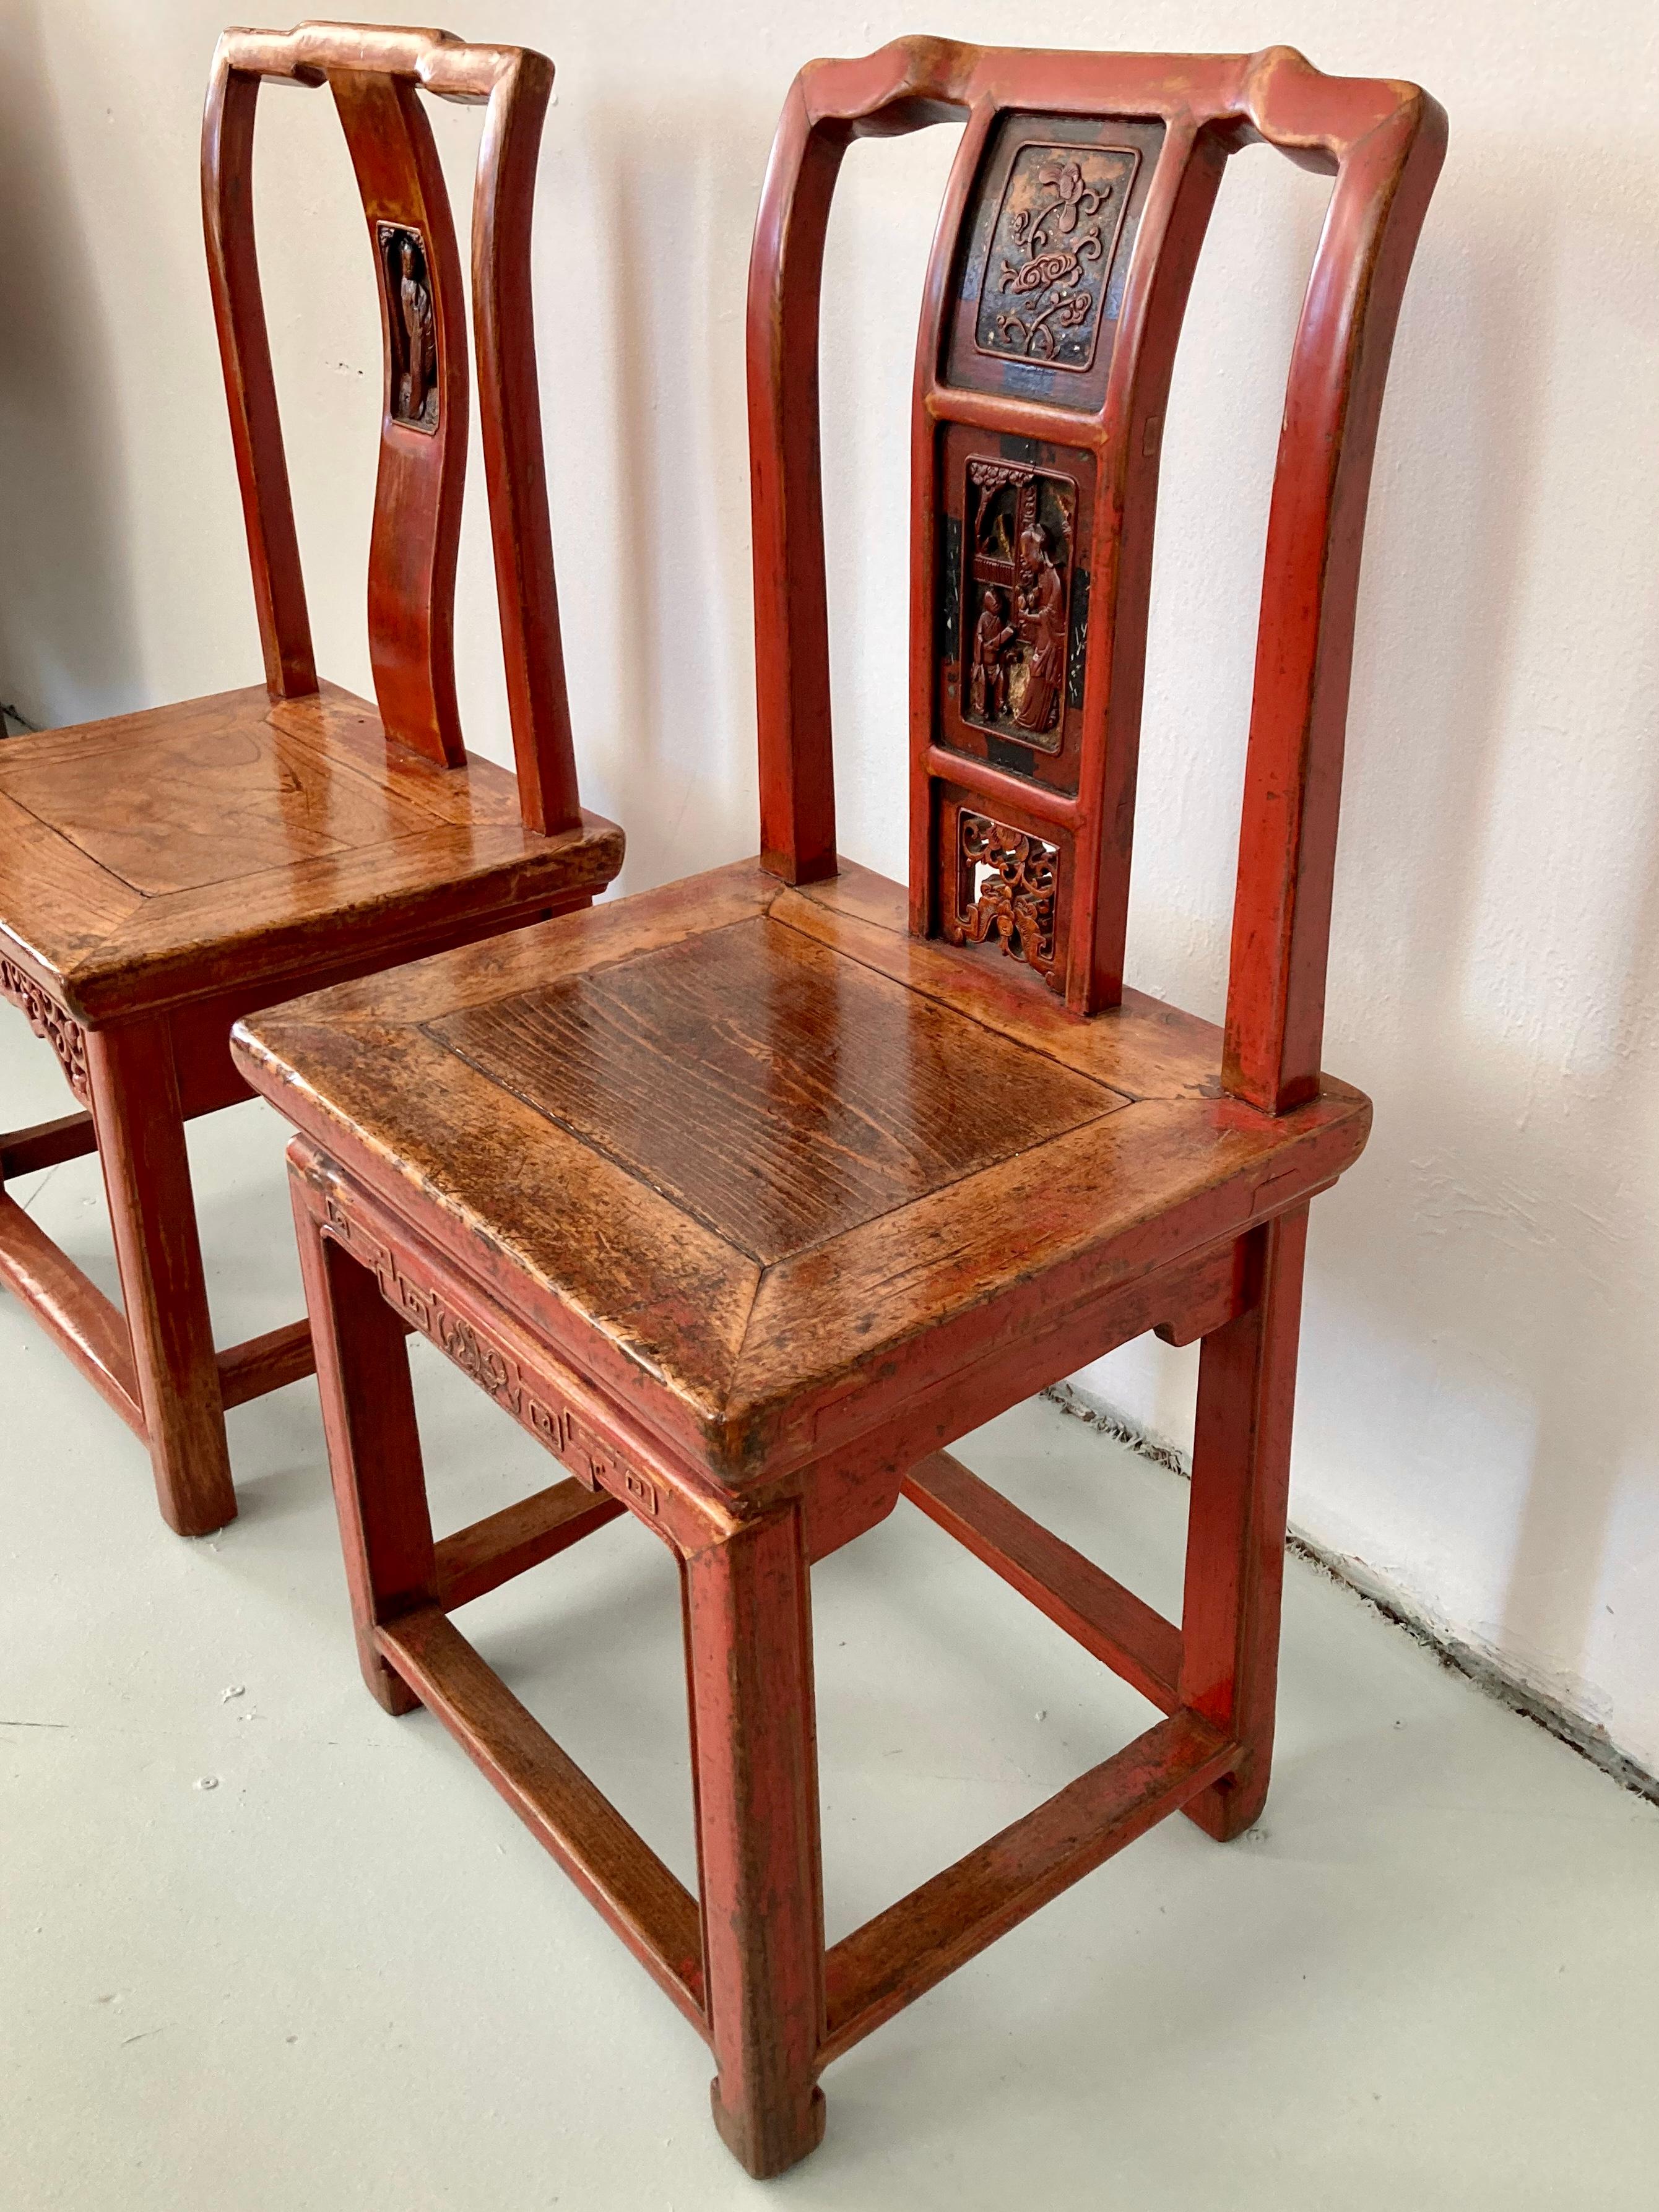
161, 873
748, 1196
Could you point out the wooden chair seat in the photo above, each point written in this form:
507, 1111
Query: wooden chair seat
773, 1167
235, 842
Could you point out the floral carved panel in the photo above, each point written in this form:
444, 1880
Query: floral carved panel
1046, 241
1051, 253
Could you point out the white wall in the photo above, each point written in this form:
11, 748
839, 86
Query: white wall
1478, 1417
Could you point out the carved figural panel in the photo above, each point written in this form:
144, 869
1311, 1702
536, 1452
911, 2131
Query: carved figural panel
1011, 600
1051, 250
1006, 891
1020, 531
1047, 236
411, 325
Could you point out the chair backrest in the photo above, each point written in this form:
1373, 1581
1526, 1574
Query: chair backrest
1065, 247
377, 75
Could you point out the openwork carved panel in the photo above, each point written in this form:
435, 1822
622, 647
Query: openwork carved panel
47, 1019
1020, 532
1051, 252
1007, 892
411, 325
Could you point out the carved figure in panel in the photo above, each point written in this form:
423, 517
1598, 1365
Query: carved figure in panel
987, 683
1007, 890
411, 325
1043, 631
48, 1020
1051, 253
1021, 528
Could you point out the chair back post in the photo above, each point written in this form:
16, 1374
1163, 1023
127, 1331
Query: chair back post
256, 426
1386, 143
903, 87
1042, 380
516, 469
376, 75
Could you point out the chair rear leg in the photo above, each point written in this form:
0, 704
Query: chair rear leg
1236, 1524
141, 1144
373, 1446
749, 1644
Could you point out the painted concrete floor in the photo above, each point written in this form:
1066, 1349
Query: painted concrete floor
263, 1949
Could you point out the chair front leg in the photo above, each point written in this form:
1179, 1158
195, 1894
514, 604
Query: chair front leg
374, 1445
1236, 1523
141, 1144
754, 1757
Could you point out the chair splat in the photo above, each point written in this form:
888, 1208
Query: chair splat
1067, 244
377, 77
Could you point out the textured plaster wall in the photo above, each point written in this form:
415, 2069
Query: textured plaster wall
1476, 1417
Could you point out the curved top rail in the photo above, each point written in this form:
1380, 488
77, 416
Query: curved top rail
1277, 92
440, 62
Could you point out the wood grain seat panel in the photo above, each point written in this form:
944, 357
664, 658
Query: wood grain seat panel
774, 1091
755, 1157
147, 860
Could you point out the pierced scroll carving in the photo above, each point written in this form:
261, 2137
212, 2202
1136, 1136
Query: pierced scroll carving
47, 1019
1007, 889
1015, 641
1051, 253
457, 1338
592, 1459
411, 325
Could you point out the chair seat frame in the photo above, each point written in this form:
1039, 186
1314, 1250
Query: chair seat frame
745, 1962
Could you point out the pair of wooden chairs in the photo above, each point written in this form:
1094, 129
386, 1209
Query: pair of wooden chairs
748, 1196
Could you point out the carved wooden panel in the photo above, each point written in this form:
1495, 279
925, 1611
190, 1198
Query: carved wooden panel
1020, 532
535, 1399
458, 1338
1052, 248
1002, 886
1047, 236
411, 325
1011, 641
47, 1019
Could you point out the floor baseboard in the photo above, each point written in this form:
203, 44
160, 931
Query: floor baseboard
1588, 1738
